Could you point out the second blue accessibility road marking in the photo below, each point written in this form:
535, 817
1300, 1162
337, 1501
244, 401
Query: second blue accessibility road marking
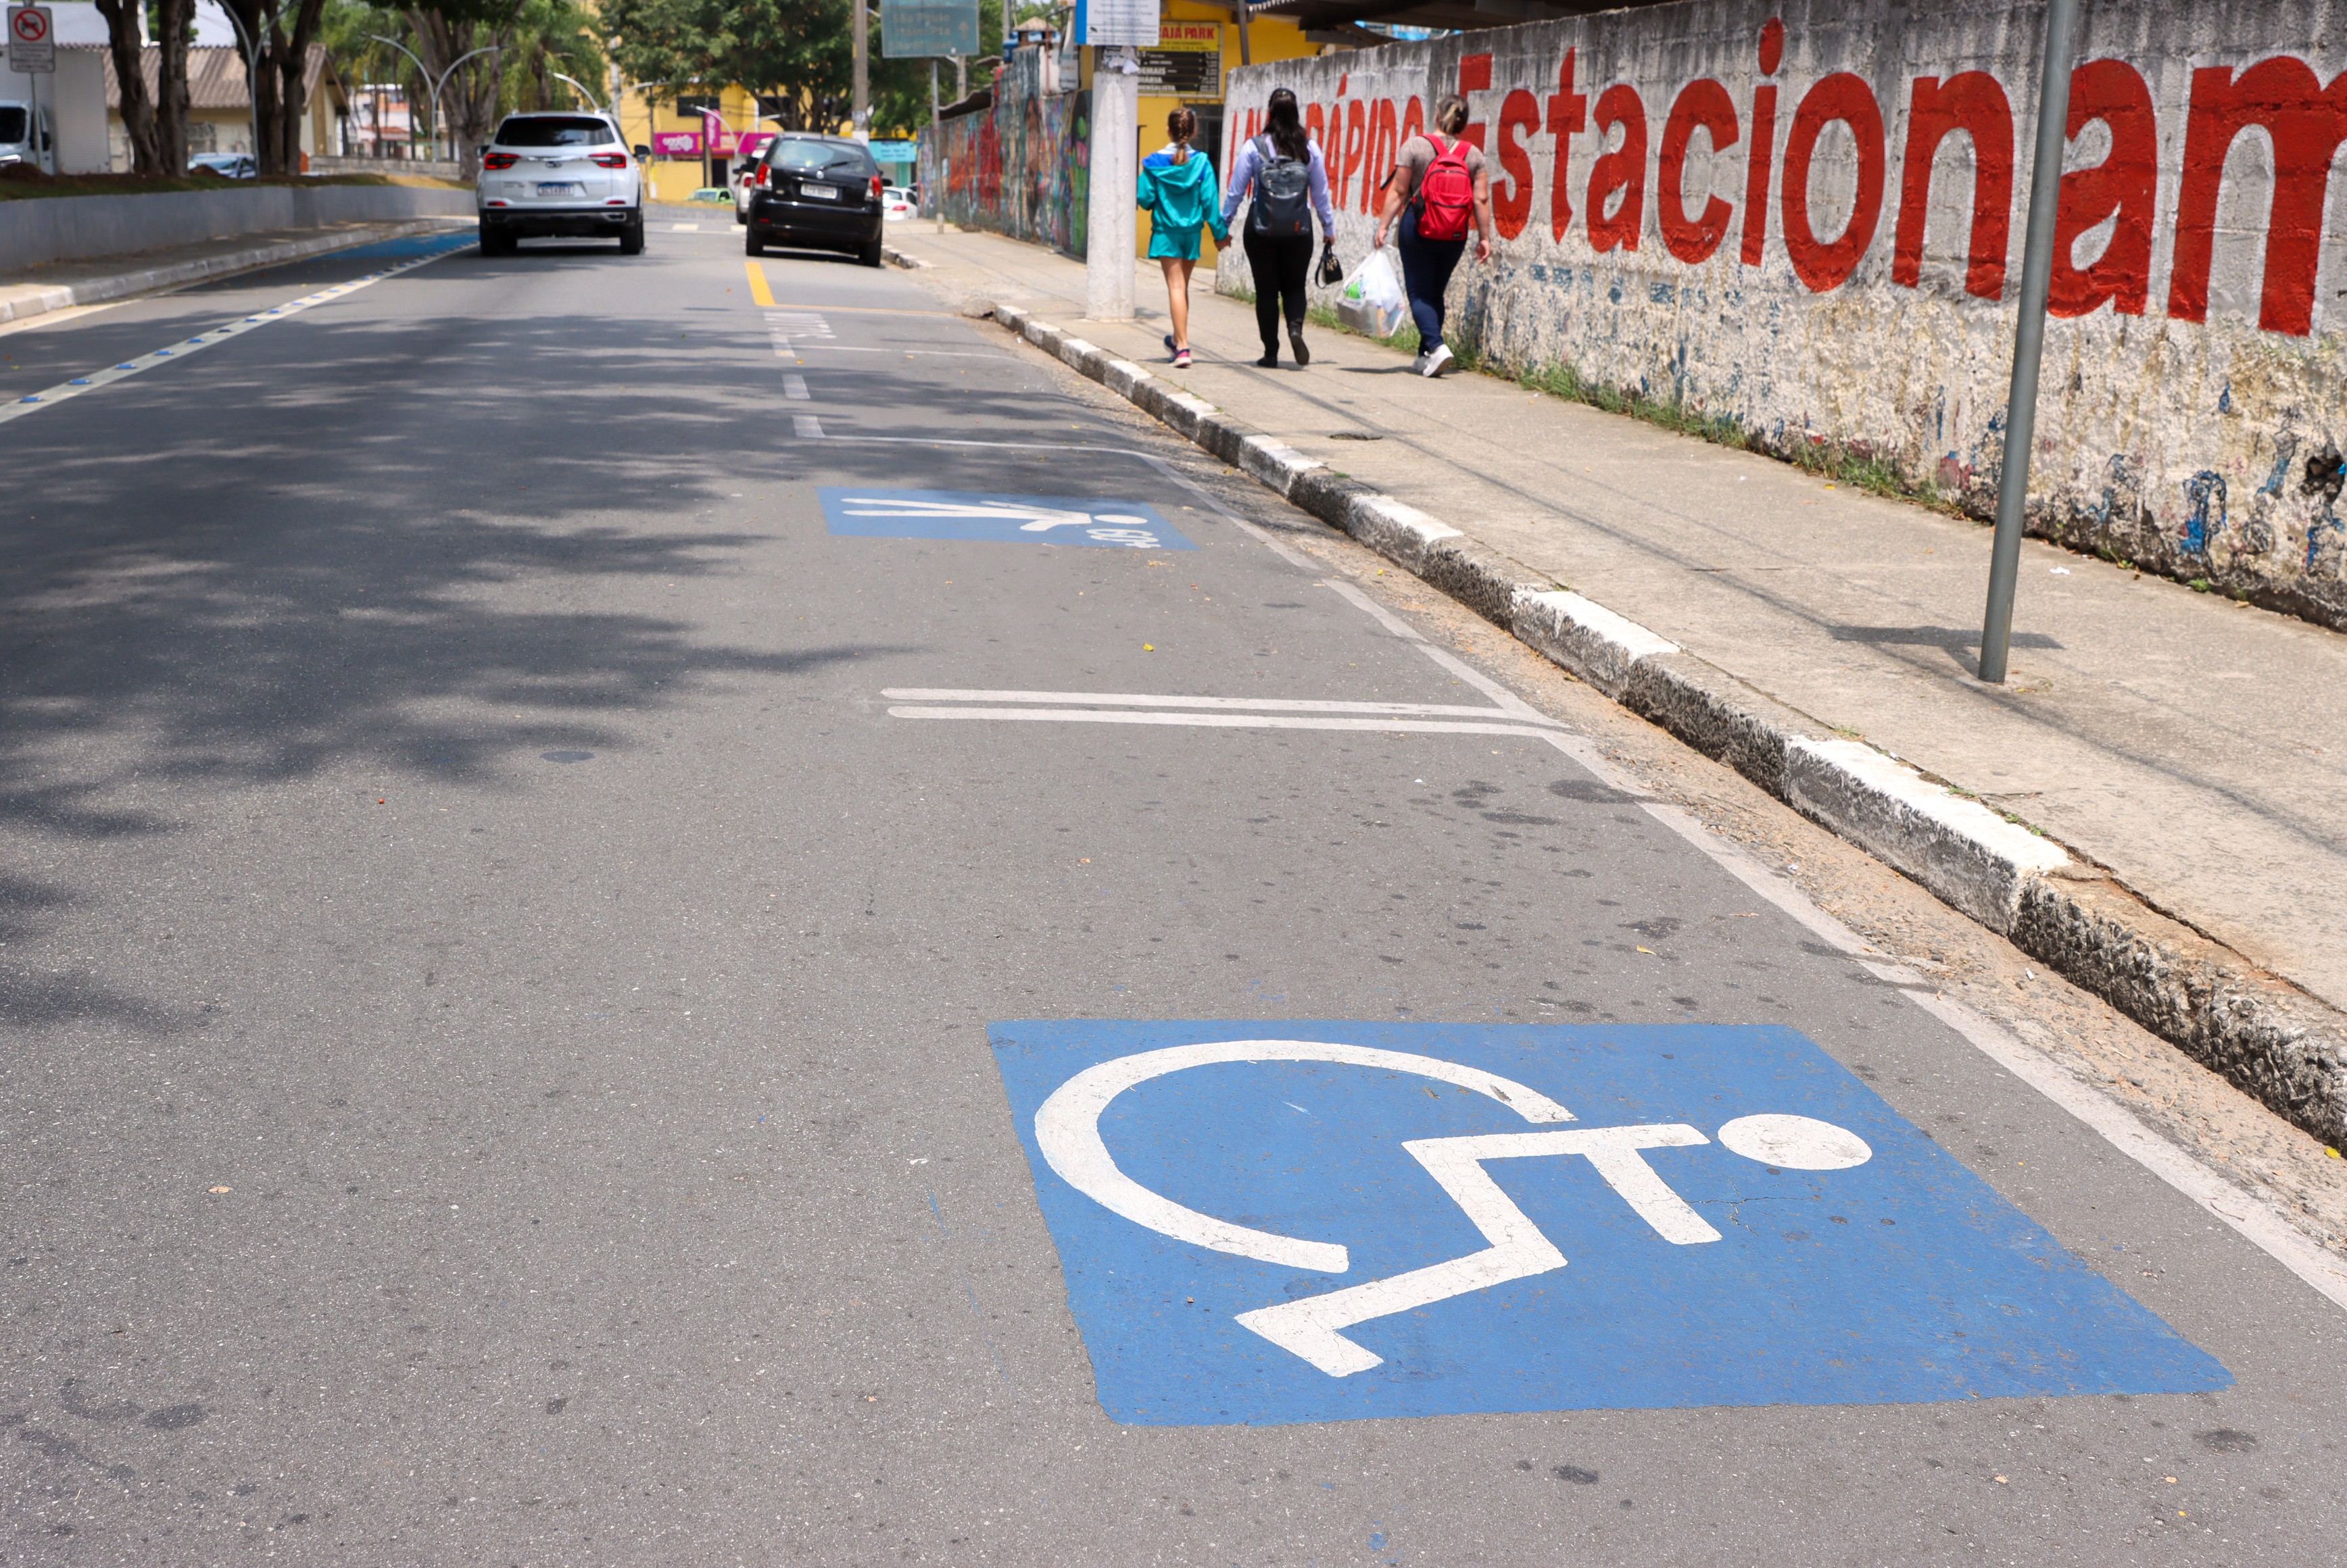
1007, 519
1281, 1222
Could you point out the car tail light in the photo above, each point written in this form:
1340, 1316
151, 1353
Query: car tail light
875, 188
610, 160
498, 160
762, 174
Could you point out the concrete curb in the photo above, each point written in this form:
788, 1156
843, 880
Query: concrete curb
2266, 1036
121, 285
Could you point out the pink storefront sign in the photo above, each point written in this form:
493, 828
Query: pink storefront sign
676, 143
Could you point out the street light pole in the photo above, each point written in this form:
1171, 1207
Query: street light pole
2028, 342
439, 122
251, 82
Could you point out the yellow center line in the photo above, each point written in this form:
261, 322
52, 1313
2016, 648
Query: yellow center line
758, 290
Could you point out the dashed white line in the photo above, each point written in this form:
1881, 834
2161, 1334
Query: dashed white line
794, 387
806, 424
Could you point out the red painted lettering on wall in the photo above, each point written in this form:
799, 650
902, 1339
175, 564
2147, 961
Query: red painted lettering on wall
1568, 117
2125, 183
1315, 120
1474, 76
1702, 105
1512, 208
1413, 120
1621, 171
1846, 100
1756, 176
1973, 103
1357, 146
2307, 122
1383, 145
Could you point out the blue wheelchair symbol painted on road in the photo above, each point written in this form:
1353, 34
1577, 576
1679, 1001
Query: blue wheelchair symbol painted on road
1300, 1221
1014, 520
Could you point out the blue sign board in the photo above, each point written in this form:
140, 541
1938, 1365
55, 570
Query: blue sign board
1011, 519
1269, 1223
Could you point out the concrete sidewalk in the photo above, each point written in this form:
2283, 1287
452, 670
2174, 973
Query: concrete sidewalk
66, 285
2178, 745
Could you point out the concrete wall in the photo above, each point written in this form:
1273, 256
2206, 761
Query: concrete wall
1848, 276
72, 228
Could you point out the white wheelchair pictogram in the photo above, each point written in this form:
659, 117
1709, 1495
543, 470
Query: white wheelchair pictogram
1066, 1131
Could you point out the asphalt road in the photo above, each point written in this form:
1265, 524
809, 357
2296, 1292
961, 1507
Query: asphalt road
541, 966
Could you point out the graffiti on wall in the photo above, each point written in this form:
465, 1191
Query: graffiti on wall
1021, 169
1807, 218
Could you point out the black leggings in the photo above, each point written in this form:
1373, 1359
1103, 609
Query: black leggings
1279, 264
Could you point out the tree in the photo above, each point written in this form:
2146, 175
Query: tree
795, 51
157, 125
280, 75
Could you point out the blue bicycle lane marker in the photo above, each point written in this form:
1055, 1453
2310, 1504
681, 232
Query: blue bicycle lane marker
1008, 519
1285, 1222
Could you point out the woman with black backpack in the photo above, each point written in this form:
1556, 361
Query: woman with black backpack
1439, 186
1283, 170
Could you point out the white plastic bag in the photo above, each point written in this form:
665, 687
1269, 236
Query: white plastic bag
1372, 301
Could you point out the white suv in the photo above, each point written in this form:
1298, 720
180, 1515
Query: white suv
559, 173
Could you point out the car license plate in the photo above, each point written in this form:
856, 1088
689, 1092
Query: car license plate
820, 192
560, 187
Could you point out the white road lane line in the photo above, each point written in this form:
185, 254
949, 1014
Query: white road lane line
794, 387
2254, 1218
64, 392
808, 425
684, 228
1216, 721
1140, 699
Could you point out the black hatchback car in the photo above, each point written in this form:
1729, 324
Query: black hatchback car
818, 192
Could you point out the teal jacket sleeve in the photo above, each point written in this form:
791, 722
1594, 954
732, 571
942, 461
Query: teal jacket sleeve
1145, 188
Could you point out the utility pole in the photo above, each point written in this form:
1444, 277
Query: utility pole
2028, 342
1109, 234
936, 188
863, 23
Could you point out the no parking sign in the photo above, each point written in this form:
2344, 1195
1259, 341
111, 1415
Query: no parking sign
1301, 1222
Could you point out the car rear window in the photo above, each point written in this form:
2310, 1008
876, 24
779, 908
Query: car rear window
822, 157
12, 122
546, 131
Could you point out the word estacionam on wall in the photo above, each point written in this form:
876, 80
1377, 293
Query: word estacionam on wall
1808, 221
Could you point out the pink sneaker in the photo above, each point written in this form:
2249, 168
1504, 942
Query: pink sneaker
1181, 359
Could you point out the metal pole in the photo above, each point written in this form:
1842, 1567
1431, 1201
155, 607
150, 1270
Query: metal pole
863, 24
936, 194
2028, 340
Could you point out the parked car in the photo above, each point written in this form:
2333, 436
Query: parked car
226, 165
562, 174
895, 202
818, 192
16, 142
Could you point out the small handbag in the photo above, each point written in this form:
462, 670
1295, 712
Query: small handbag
1330, 273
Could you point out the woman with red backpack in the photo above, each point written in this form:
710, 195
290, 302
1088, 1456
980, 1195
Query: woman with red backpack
1439, 187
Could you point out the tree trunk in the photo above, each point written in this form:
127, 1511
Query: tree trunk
175, 20
468, 100
291, 59
124, 43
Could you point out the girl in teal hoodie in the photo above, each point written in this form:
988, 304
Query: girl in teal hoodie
1178, 192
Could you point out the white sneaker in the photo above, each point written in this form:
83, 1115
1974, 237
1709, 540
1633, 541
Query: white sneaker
1436, 363
1418, 365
